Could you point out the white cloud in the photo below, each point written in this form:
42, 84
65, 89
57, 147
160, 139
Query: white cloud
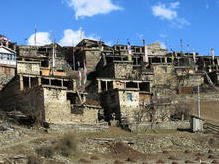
170, 13
90, 8
181, 22
163, 35
42, 38
174, 5
70, 37
163, 12
74, 37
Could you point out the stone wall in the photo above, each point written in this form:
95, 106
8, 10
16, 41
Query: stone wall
122, 69
92, 59
28, 67
165, 81
6, 74
191, 80
27, 51
164, 125
128, 106
60, 64
164, 75
56, 106
155, 49
59, 111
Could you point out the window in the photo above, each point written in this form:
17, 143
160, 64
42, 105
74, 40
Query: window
129, 96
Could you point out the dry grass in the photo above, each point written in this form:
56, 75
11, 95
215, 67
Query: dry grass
187, 151
175, 162
172, 158
66, 146
82, 160
211, 157
165, 152
94, 158
130, 160
210, 151
188, 161
112, 132
34, 160
160, 161
215, 162
209, 110
118, 162
47, 152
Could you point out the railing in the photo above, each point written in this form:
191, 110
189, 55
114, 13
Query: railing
211, 128
8, 62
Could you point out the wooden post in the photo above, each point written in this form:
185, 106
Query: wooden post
99, 86
165, 59
39, 81
199, 112
74, 85
29, 82
21, 83
62, 82
84, 98
106, 86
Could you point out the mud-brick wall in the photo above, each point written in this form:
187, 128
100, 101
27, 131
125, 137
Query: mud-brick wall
128, 108
122, 70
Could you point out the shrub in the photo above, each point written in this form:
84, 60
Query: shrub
175, 162
160, 161
47, 152
34, 160
67, 145
84, 161
118, 162
94, 158
172, 158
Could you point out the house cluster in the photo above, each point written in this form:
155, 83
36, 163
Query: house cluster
94, 82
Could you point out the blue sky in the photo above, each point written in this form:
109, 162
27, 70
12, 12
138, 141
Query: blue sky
168, 21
